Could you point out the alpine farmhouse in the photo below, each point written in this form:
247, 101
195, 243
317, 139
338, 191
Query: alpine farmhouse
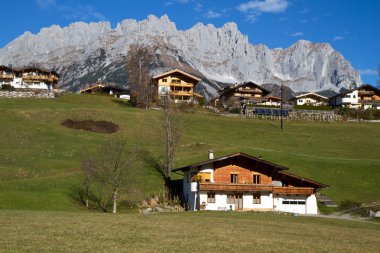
243, 182
178, 84
28, 78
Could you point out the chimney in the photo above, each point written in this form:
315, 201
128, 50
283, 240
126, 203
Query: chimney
210, 154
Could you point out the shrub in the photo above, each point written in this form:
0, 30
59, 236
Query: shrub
7, 87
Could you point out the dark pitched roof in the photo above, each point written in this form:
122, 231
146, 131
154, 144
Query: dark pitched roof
240, 154
237, 86
278, 168
364, 86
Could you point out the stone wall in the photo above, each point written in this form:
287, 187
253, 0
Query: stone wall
27, 94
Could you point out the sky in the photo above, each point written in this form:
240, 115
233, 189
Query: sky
352, 27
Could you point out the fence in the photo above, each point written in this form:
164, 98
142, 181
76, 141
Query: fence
309, 115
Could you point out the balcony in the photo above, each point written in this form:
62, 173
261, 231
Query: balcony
366, 92
293, 190
234, 187
181, 93
181, 84
369, 102
6, 76
35, 77
256, 188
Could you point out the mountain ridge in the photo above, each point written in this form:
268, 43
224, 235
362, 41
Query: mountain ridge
85, 52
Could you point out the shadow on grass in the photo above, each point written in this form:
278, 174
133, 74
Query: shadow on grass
123, 103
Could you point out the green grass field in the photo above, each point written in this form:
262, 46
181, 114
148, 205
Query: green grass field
47, 231
40, 159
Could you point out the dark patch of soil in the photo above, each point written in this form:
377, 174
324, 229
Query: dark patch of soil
92, 125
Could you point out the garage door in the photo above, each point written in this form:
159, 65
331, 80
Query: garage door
294, 206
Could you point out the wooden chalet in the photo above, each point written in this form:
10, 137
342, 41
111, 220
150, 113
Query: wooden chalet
365, 97
247, 93
243, 182
103, 88
28, 77
178, 84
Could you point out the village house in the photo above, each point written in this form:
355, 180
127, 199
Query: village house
365, 97
243, 182
28, 77
246, 93
311, 98
103, 88
178, 84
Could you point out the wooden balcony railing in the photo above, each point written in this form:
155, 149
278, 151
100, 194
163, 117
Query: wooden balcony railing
35, 77
366, 92
369, 102
254, 188
233, 187
293, 190
6, 76
181, 93
181, 84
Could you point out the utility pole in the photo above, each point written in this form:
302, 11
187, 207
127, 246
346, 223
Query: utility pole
281, 105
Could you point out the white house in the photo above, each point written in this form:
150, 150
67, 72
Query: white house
28, 77
243, 182
311, 98
365, 96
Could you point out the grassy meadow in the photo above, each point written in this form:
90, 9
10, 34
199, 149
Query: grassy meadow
40, 167
40, 159
48, 231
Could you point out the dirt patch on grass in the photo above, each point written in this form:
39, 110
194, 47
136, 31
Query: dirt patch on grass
92, 125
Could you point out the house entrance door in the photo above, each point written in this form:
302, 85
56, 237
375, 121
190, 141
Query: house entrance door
238, 201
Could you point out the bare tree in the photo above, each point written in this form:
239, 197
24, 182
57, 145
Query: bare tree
110, 171
141, 85
169, 135
87, 167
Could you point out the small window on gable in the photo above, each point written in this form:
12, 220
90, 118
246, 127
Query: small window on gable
176, 81
210, 197
256, 179
164, 80
234, 178
353, 96
256, 198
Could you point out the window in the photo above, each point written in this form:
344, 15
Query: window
300, 100
210, 197
176, 81
293, 202
234, 178
256, 198
256, 179
353, 96
347, 96
230, 199
164, 80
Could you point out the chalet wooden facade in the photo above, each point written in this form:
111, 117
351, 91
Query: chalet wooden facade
244, 93
365, 96
243, 182
103, 88
176, 83
28, 77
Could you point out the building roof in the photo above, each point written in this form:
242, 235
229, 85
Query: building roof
310, 94
240, 155
30, 68
364, 86
177, 71
282, 170
237, 86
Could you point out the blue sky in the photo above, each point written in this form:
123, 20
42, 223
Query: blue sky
351, 26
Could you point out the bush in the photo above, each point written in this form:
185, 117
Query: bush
7, 87
236, 110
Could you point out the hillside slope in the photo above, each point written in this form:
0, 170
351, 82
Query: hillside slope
40, 159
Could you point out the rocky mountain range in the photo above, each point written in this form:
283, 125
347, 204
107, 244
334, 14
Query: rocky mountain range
84, 53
